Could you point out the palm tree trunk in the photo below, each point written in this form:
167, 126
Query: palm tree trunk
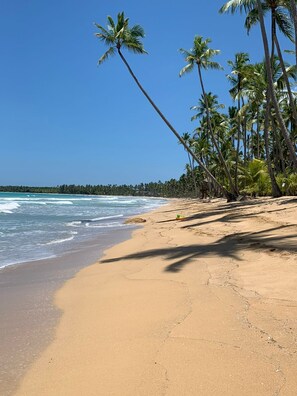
276, 192
258, 133
191, 163
281, 166
294, 15
228, 195
238, 137
271, 91
227, 172
291, 99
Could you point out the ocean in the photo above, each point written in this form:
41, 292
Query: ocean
39, 226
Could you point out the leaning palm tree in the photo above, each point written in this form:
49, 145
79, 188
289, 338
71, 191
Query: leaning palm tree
119, 35
201, 56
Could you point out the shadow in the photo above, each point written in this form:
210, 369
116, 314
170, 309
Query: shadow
293, 200
227, 247
233, 217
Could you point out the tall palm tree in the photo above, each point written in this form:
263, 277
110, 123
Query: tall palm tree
237, 76
119, 35
271, 91
256, 7
279, 18
201, 56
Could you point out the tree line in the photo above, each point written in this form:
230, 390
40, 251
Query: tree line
169, 189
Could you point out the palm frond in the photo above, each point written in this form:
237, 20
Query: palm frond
212, 65
233, 5
137, 31
186, 69
111, 22
284, 24
106, 55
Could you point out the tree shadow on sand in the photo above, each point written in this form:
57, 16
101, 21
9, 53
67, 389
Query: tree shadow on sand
227, 247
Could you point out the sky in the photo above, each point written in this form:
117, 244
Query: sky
66, 120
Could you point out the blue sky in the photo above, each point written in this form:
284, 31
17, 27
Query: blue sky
63, 119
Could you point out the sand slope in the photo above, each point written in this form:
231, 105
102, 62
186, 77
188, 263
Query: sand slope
203, 306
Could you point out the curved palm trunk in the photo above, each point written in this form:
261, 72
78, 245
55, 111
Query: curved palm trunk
271, 91
275, 42
227, 172
228, 195
291, 99
294, 15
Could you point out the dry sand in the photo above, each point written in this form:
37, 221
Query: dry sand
202, 306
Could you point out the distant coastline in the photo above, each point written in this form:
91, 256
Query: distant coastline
172, 188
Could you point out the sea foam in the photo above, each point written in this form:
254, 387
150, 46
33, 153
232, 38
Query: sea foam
8, 207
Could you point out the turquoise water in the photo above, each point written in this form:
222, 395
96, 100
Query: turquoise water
38, 226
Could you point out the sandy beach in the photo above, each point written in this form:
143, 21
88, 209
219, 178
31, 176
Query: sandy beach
205, 305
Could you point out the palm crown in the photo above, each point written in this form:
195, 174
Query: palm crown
200, 55
118, 35
279, 8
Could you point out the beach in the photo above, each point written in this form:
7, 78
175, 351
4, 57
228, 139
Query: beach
200, 305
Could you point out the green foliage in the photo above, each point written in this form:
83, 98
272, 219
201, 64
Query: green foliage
254, 178
118, 35
288, 184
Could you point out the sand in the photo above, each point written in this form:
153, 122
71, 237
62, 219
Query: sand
205, 305
28, 315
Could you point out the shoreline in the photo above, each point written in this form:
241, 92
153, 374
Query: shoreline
28, 314
206, 305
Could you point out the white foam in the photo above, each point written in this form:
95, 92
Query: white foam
8, 207
60, 203
74, 224
57, 241
106, 217
105, 225
16, 262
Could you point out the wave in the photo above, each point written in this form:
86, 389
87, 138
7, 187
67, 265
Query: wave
8, 207
86, 222
60, 203
73, 224
105, 218
57, 241
21, 261
105, 225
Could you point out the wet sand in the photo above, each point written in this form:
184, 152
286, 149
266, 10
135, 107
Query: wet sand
206, 305
28, 315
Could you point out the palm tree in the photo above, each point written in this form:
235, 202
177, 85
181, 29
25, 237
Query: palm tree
200, 55
271, 91
211, 104
280, 18
119, 35
237, 76
256, 7
189, 140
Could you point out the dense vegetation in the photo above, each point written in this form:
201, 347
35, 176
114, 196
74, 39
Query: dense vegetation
250, 147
